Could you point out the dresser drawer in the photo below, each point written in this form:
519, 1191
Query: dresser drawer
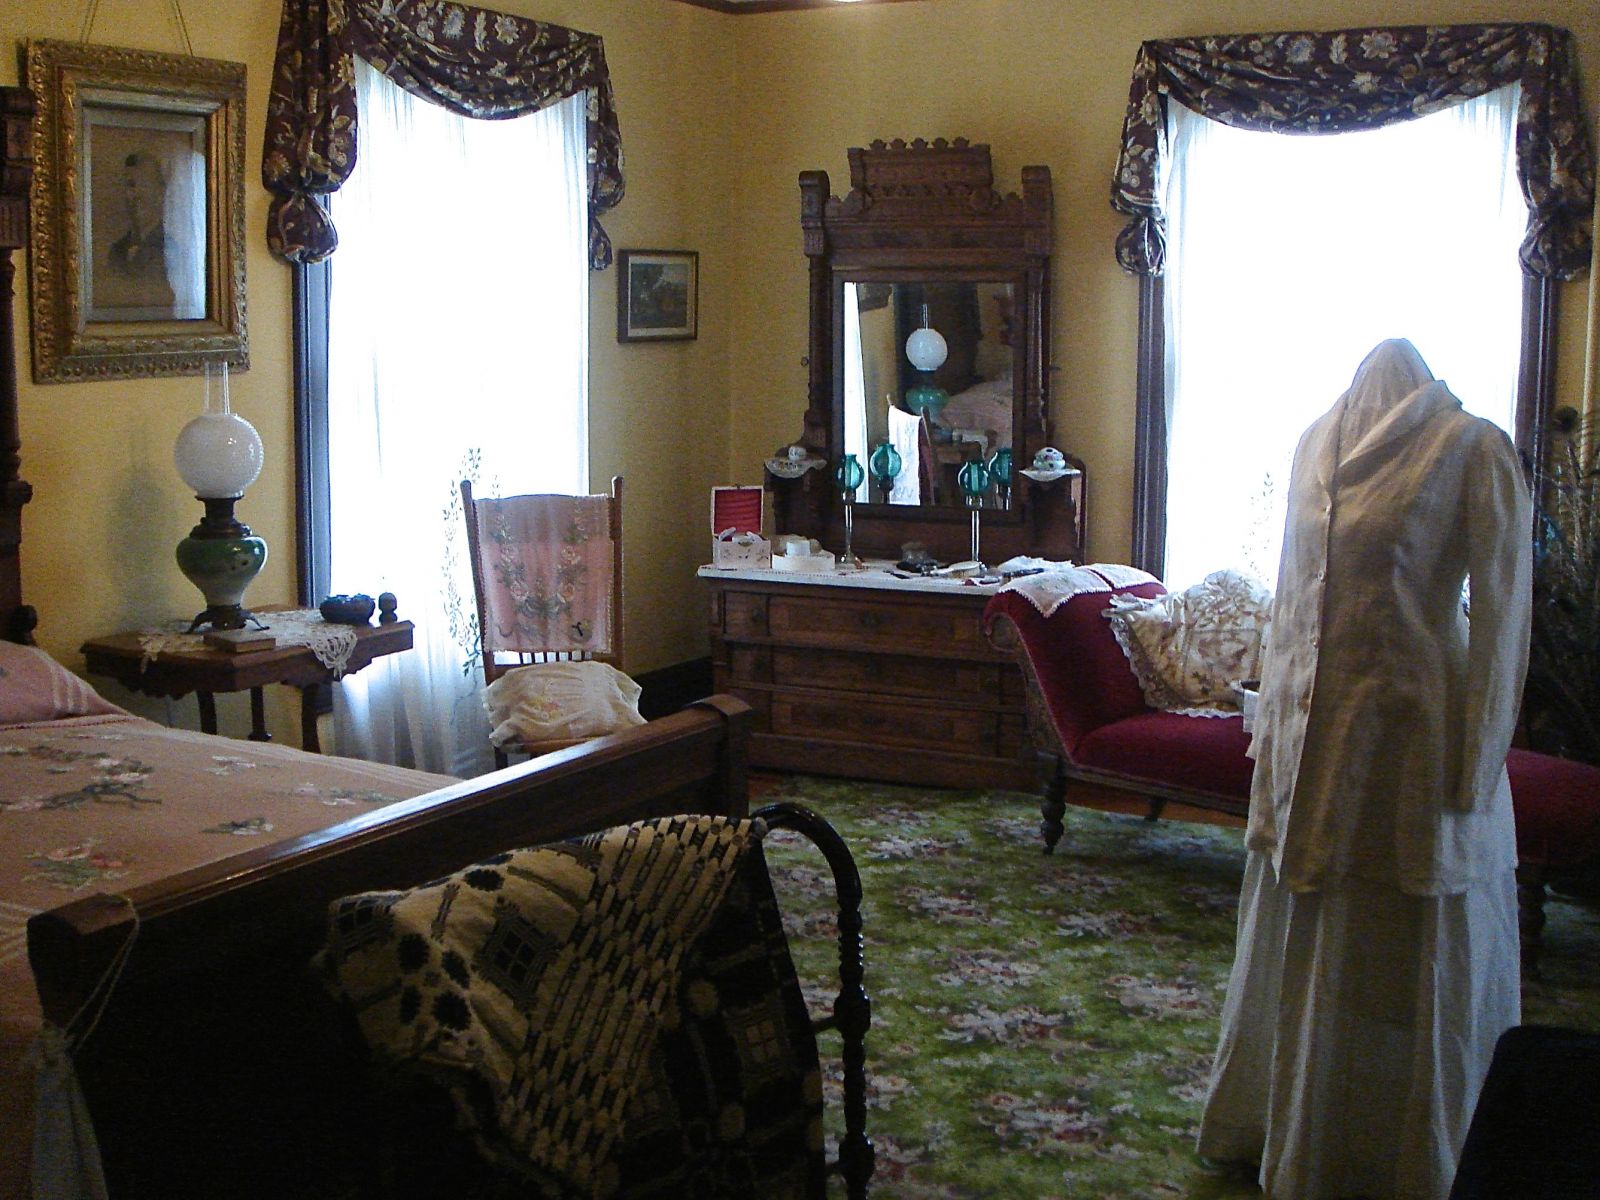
882, 723
892, 627
744, 614
748, 663
951, 680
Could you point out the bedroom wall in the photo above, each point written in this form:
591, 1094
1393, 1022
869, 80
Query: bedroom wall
719, 115
108, 506
1042, 81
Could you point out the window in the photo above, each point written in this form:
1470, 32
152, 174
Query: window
1410, 230
457, 345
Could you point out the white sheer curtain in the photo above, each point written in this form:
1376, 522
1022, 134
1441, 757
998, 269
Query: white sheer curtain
855, 391
458, 347
1290, 257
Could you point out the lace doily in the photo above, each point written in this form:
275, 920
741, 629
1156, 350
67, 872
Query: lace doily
332, 644
1060, 582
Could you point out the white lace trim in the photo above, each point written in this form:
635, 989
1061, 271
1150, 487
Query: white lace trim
332, 644
1062, 581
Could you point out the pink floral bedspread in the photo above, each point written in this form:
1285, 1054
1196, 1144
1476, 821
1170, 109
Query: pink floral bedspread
102, 804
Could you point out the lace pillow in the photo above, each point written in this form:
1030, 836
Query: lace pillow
1187, 648
557, 701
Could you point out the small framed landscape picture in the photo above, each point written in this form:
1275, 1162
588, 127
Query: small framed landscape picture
658, 295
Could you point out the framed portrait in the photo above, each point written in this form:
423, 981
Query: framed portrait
658, 295
137, 238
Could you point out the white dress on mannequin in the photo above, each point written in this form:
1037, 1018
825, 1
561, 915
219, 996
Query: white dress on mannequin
1377, 958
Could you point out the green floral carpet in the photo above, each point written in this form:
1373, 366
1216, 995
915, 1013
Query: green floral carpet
1043, 1026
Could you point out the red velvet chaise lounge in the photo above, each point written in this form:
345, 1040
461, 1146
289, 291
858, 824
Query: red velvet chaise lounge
1085, 708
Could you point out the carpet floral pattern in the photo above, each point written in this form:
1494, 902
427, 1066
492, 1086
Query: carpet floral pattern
1043, 1026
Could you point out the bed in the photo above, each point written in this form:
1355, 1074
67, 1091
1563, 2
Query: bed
164, 891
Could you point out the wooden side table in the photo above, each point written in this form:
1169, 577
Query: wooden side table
205, 672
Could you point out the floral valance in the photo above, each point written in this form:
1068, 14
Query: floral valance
1362, 79
470, 60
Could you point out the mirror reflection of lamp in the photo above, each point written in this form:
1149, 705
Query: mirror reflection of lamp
885, 463
219, 455
1000, 468
926, 350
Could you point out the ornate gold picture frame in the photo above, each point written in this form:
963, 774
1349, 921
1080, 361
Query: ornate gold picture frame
137, 248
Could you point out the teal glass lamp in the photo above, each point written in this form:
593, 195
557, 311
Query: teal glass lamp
1001, 466
974, 482
926, 350
849, 476
885, 463
219, 455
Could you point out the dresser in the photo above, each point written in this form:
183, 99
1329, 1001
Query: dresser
869, 676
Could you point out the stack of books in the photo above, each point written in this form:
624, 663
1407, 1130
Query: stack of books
240, 641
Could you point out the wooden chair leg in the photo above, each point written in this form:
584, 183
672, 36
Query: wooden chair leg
1054, 805
1530, 916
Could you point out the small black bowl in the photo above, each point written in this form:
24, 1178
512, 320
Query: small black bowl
348, 610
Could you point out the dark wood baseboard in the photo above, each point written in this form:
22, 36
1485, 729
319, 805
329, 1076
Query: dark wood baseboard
668, 689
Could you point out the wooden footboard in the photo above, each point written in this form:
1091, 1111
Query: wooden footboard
217, 1067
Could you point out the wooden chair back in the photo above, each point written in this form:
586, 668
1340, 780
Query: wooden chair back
496, 665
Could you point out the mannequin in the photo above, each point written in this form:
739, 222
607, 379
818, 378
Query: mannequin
1377, 956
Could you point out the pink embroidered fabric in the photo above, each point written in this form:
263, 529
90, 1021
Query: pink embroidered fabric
547, 564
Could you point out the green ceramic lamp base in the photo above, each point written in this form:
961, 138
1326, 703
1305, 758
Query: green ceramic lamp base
221, 557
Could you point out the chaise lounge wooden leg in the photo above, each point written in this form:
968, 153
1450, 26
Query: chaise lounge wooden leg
1530, 916
1054, 805
1157, 806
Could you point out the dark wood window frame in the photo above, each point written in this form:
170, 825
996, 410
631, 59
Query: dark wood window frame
1535, 388
313, 558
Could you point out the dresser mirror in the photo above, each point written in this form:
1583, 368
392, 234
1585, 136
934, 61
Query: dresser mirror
929, 334
958, 406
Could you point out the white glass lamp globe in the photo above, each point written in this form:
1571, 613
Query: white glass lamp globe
219, 455
926, 349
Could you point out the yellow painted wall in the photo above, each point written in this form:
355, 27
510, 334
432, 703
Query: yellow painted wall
1041, 81
719, 115
109, 507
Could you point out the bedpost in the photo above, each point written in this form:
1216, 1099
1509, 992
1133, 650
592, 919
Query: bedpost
16, 170
733, 782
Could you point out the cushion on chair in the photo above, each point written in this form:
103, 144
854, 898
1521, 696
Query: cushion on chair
1557, 804
1082, 672
1201, 754
1188, 648
560, 701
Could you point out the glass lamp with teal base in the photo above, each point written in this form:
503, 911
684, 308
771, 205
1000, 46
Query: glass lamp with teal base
974, 482
219, 455
849, 476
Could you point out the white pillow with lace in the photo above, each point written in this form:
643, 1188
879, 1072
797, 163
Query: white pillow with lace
560, 701
1188, 648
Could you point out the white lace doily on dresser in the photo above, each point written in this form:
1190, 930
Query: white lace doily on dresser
332, 644
1060, 582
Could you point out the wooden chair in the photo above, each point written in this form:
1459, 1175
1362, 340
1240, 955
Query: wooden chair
504, 650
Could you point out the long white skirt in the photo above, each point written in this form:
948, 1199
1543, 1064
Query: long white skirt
1356, 1034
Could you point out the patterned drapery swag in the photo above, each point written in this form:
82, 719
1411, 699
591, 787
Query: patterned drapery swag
1363, 79
470, 60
